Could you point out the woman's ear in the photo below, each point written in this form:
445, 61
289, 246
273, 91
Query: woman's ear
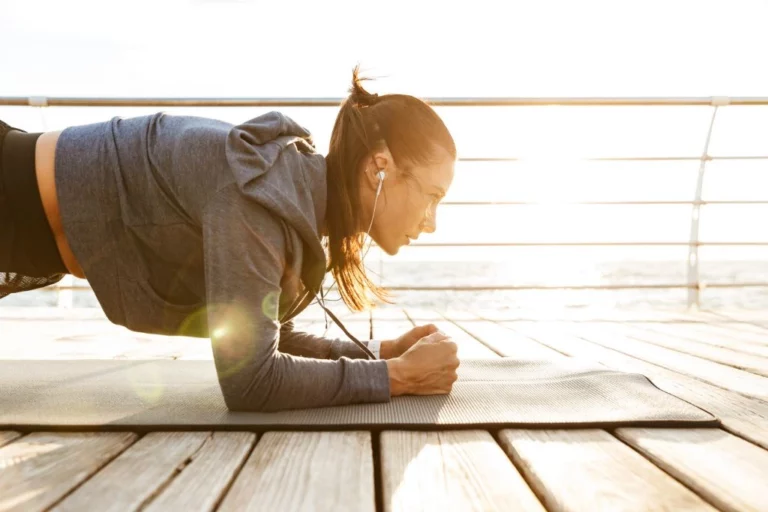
382, 161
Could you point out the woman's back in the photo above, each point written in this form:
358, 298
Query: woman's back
133, 195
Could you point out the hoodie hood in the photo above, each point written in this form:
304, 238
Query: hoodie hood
274, 162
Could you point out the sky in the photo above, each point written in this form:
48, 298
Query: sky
229, 48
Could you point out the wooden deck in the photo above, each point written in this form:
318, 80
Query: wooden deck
715, 360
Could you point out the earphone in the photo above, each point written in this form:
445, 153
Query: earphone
382, 175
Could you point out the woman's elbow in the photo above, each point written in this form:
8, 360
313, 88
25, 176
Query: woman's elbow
250, 402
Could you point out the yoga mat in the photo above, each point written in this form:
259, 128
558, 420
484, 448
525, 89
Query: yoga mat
492, 393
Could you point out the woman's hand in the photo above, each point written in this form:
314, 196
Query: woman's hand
391, 349
427, 368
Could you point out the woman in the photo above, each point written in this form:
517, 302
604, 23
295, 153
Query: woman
191, 226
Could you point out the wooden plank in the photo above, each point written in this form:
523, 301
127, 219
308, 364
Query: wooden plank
388, 312
306, 471
137, 474
391, 323
590, 315
707, 350
726, 331
423, 315
718, 374
468, 346
93, 339
391, 329
755, 317
508, 343
745, 327
726, 322
6, 436
592, 470
710, 338
37, 470
203, 482
721, 332
450, 470
744, 416
727, 471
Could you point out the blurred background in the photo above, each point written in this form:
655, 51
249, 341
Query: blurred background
543, 179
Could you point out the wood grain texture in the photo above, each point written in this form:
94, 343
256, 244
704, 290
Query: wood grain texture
6, 436
469, 347
740, 381
424, 315
713, 348
507, 342
748, 417
733, 340
137, 474
742, 333
761, 331
757, 317
590, 315
727, 471
590, 470
39, 469
388, 313
451, 470
756, 333
202, 483
312, 471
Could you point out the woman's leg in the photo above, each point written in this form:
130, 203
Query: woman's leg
29, 258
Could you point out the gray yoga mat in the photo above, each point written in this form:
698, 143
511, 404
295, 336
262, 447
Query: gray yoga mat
163, 394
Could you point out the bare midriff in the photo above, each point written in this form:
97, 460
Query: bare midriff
45, 152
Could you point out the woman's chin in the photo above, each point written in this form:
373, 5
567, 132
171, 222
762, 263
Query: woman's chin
391, 249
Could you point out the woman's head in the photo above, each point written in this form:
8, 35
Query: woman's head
404, 137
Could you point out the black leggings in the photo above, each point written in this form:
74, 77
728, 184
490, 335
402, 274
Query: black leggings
29, 258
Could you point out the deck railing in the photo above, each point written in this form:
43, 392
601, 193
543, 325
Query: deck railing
693, 284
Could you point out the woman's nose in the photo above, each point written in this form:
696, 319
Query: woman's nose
429, 224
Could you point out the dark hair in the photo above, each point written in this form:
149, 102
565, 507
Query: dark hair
366, 123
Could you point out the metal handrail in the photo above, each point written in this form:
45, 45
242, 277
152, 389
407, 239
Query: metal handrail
694, 285
703, 202
534, 287
54, 101
616, 158
584, 244
572, 287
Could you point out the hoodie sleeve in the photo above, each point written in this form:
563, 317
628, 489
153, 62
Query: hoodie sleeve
244, 249
308, 345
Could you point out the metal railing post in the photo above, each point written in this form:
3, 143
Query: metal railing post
694, 282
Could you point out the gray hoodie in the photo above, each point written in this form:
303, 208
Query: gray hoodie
192, 226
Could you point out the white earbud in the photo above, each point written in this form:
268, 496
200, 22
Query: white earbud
381, 174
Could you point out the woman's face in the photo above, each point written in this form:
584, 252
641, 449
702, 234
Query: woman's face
407, 205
